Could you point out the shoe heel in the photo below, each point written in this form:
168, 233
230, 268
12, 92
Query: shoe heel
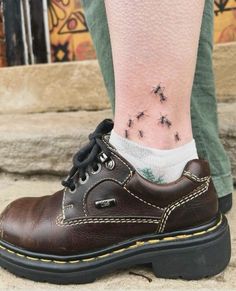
204, 259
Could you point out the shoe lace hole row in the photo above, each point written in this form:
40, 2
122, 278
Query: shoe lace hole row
109, 165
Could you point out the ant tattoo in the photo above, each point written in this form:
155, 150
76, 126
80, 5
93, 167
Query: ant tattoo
126, 133
163, 97
168, 123
130, 122
140, 133
163, 120
177, 137
140, 115
159, 91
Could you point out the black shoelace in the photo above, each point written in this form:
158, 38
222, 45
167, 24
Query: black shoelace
88, 155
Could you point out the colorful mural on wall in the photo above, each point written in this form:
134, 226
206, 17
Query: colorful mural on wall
70, 39
69, 36
225, 21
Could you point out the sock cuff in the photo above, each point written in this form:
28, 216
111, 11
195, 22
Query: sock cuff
122, 144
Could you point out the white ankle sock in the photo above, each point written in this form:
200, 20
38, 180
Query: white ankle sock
159, 166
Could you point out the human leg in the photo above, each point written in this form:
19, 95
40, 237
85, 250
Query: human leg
153, 83
203, 93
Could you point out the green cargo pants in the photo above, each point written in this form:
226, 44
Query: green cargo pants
203, 102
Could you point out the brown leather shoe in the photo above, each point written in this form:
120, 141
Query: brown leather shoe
108, 217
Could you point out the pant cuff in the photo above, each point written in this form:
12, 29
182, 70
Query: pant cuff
223, 185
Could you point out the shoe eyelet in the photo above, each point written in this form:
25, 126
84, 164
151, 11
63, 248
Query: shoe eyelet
73, 191
81, 181
98, 170
110, 165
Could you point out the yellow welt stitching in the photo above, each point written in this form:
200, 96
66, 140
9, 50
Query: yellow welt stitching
168, 238
31, 258
45, 261
132, 247
104, 256
200, 232
20, 255
136, 245
119, 251
88, 260
140, 243
74, 262
153, 241
182, 236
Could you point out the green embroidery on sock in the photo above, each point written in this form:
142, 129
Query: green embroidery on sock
148, 174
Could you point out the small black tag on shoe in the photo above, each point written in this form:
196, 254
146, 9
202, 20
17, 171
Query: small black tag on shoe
105, 203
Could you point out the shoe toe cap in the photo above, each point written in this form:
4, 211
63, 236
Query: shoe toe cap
14, 221
29, 222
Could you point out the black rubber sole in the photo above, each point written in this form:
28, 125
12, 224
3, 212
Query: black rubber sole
194, 254
225, 203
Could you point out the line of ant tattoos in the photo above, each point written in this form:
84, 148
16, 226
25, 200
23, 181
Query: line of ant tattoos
130, 123
164, 121
140, 133
158, 90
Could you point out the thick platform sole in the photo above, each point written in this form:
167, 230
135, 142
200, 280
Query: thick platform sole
192, 254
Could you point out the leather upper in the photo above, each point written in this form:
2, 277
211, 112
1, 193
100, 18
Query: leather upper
70, 222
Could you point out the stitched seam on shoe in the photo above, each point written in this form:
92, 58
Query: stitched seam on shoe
61, 223
142, 200
197, 192
138, 244
186, 199
63, 203
194, 177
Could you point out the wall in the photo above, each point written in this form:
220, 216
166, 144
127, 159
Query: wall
70, 39
225, 21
